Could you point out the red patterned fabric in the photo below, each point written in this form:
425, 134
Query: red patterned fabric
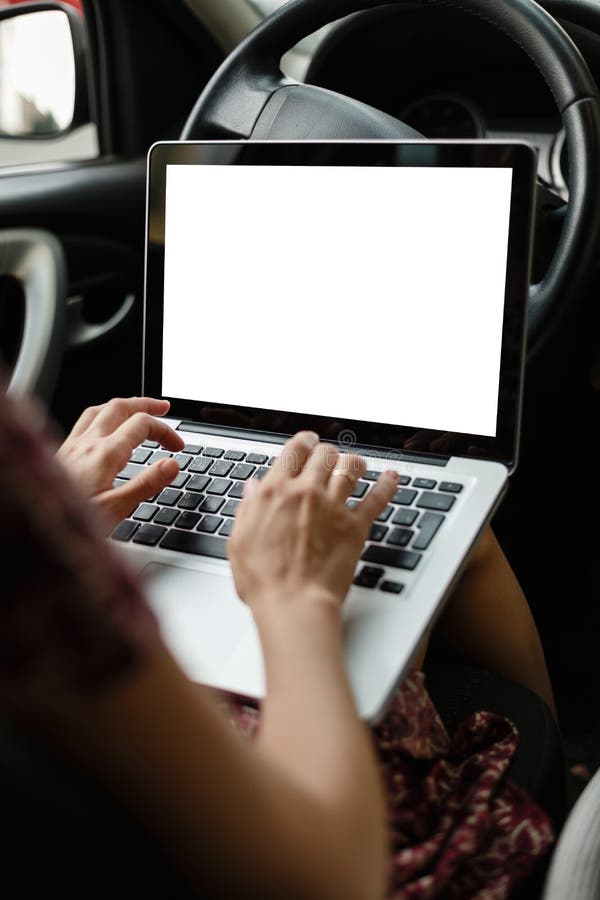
458, 827
72, 618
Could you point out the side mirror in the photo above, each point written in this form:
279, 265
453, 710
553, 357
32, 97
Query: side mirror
44, 89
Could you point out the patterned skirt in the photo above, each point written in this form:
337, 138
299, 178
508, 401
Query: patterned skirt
459, 827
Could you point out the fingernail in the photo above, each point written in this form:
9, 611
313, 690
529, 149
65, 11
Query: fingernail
310, 439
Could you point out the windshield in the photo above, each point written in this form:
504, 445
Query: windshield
231, 20
265, 7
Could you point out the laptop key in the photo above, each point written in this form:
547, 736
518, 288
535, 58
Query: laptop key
400, 537
193, 542
427, 483
405, 517
179, 480
188, 520
391, 556
237, 491
158, 455
213, 452
221, 468
194, 449
391, 587
371, 475
257, 459
130, 471
218, 486
377, 533
227, 528
451, 487
260, 472
145, 512
385, 514
242, 471
141, 455
183, 459
200, 465
210, 524
230, 508
169, 497
124, 530
211, 504
235, 455
154, 445
437, 502
404, 497
360, 489
149, 535
190, 500
119, 482
368, 576
428, 525
198, 483
166, 516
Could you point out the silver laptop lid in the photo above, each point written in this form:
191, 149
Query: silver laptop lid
374, 292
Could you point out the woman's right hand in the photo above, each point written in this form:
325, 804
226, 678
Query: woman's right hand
295, 538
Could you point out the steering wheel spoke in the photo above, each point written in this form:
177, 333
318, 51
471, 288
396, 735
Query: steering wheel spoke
234, 115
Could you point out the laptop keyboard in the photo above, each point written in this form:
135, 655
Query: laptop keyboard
195, 514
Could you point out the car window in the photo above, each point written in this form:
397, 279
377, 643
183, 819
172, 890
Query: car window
37, 99
231, 20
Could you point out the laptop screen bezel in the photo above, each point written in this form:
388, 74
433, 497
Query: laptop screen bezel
520, 157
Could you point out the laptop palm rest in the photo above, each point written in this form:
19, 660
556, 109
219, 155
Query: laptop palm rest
208, 629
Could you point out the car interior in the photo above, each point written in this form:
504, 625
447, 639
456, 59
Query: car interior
72, 207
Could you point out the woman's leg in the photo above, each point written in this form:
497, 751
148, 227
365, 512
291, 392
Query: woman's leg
487, 621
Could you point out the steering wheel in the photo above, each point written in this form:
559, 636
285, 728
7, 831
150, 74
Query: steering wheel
249, 98
35, 259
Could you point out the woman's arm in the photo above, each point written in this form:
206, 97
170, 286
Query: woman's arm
299, 813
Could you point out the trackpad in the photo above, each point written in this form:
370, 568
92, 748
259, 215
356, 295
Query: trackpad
208, 629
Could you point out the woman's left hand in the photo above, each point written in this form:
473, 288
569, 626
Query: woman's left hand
100, 445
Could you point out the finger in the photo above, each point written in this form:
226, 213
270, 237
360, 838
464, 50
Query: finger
141, 427
294, 455
345, 475
250, 487
154, 479
85, 420
246, 506
117, 411
321, 464
378, 497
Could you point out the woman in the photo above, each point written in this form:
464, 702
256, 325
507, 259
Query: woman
301, 809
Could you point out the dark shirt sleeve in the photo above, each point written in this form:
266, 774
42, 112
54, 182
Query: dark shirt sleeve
73, 619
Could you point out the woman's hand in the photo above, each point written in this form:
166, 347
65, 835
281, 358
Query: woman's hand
294, 535
100, 445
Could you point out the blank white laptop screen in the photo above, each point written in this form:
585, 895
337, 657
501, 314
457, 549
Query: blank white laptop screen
357, 292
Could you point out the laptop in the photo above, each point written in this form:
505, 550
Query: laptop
372, 291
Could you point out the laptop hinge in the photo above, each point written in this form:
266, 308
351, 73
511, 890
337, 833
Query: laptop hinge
274, 438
